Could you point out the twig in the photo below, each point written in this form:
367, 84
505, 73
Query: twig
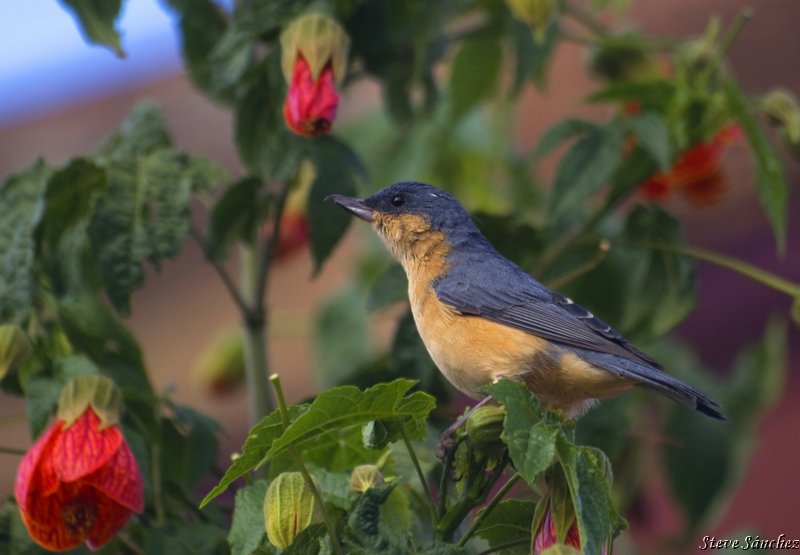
420, 474
195, 234
12, 451
583, 268
585, 18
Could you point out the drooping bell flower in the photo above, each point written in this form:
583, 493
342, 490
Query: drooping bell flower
80, 483
314, 60
547, 535
288, 508
697, 174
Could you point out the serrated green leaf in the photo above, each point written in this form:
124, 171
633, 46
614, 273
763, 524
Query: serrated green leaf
247, 527
473, 77
367, 529
346, 406
587, 166
531, 440
338, 172
659, 285
22, 205
237, 215
651, 131
96, 19
339, 450
308, 542
559, 133
255, 448
186, 538
335, 487
773, 190
586, 471
71, 194
189, 448
510, 521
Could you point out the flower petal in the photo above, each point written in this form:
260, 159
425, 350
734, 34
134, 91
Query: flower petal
83, 447
29, 480
310, 106
120, 480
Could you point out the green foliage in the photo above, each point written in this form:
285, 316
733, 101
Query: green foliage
96, 19
509, 522
247, 529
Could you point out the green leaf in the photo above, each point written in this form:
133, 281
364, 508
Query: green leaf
189, 447
509, 521
587, 473
773, 190
335, 487
651, 130
473, 77
655, 94
588, 165
145, 214
532, 56
247, 528
559, 133
531, 440
308, 542
366, 527
338, 172
339, 450
71, 194
237, 215
22, 206
96, 18
254, 450
346, 406
202, 23
659, 285
186, 538
266, 146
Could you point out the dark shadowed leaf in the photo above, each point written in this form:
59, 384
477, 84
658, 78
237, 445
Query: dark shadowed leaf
651, 131
510, 521
655, 94
773, 190
559, 133
473, 77
308, 542
338, 172
96, 19
532, 56
237, 215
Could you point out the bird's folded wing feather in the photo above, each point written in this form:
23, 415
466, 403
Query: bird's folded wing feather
509, 296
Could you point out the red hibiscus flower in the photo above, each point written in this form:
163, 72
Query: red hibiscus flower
311, 104
697, 174
547, 535
79, 482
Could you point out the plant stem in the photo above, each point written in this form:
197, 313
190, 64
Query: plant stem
260, 400
233, 291
420, 474
158, 493
295, 454
583, 268
731, 263
448, 462
489, 508
12, 451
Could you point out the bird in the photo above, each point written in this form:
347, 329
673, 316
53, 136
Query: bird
483, 318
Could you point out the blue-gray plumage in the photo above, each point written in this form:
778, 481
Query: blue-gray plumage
483, 317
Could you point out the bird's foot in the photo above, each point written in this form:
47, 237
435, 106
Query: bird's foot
447, 441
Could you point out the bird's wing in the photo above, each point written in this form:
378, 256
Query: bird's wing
506, 294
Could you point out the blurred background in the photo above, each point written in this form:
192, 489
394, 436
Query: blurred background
60, 97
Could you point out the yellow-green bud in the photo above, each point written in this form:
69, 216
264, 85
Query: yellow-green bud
288, 508
536, 13
364, 477
15, 348
795, 313
90, 390
220, 367
781, 108
320, 39
485, 425
623, 58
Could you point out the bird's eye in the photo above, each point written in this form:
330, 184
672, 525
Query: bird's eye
398, 200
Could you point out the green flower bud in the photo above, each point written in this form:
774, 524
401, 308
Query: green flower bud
220, 367
15, 348
623, 58
781, 108
90, 390
364, 477
288, 509
485, 425
320, 40
536, 13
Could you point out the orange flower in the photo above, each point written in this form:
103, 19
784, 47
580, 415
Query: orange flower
294, 234
697, 174
547, 535
311, 104
79, 482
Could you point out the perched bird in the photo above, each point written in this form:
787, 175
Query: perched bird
482, 317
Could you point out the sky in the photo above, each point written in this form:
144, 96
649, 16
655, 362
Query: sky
46, 65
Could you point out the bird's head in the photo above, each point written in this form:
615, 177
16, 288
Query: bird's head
411, 218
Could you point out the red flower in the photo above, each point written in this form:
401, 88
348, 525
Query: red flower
310, 106
548, 536
78, 483
697, 173
294, 234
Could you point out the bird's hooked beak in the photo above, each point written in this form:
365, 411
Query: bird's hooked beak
353, 205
